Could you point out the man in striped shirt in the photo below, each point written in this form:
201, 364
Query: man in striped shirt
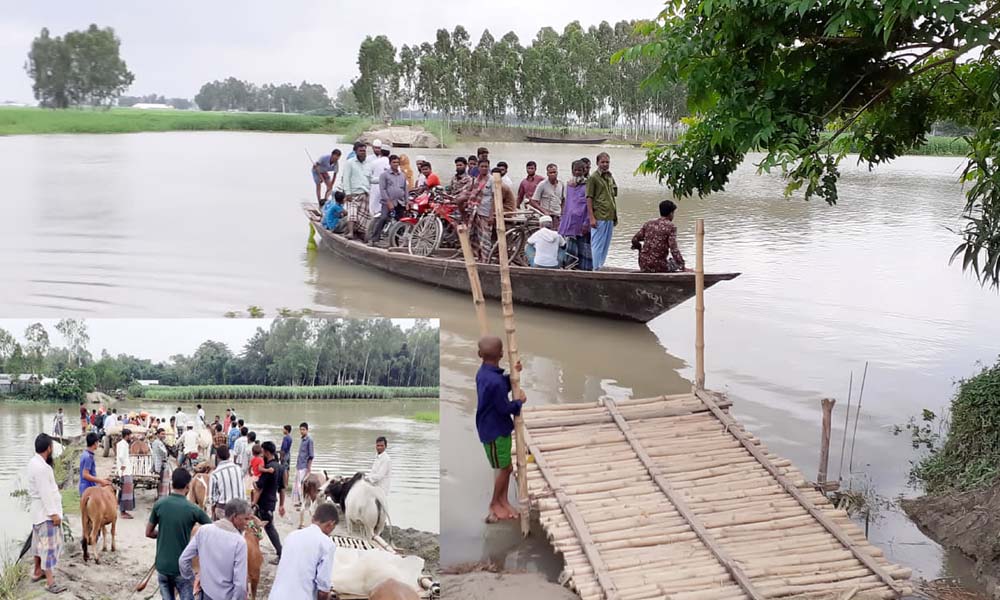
225, 484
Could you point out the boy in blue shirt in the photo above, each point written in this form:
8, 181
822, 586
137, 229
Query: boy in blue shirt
494, 423
333, 212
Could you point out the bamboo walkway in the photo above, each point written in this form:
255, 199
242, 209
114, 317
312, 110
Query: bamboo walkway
669, 497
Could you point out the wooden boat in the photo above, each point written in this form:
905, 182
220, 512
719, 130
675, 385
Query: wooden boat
548, 140
611, 293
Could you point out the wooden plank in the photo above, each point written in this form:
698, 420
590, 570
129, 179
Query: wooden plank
696, 525
865, 558
575, 520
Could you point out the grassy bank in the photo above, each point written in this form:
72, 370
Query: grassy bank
269, 392
936, 145
427, 417
19, 121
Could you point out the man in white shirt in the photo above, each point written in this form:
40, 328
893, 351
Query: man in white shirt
507, 181
123, 465
180, 419
307, 559
381, 472
46, 514
111, 420
377, 164
189, 445
201, 416
225, 484
240, 450
546, 244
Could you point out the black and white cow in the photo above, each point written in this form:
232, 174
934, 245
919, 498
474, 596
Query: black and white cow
363, 504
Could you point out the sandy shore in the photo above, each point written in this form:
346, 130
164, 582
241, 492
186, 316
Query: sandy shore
118, 572
488, 586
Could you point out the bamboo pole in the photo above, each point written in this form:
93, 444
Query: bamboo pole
824, 444
816, 513
513, 357
699, 307
474, 283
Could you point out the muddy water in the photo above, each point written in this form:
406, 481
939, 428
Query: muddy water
344, 434
182, 224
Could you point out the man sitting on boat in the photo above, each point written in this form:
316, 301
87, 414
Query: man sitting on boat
656, 242
545, 247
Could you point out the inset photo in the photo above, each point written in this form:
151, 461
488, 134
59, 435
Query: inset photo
293, 457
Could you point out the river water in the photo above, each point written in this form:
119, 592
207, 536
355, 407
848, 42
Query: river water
344, 433
197, 224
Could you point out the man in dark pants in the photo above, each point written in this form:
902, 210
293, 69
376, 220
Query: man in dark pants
268, 490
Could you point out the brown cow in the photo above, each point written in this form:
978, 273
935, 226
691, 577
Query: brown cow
98, 508
139, 447
390, 589
311, 488
198, 490
252, 535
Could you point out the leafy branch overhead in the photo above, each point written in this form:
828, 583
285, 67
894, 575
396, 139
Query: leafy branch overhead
801, 81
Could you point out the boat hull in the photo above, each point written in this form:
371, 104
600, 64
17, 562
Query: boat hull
615, 294
545, 140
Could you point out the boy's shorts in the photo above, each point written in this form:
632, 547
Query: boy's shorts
498, 452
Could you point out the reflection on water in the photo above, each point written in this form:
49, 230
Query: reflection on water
823, 290
344, 434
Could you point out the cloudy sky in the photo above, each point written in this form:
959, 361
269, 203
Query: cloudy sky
156, 339
175, 47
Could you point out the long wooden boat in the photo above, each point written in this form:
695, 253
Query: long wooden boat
548, 140
610, 293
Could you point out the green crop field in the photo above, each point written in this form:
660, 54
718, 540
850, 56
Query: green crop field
269, 392
14, 121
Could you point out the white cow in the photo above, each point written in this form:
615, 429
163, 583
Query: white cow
363, 504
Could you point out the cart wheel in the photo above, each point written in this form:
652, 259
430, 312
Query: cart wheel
399, 234
426, 236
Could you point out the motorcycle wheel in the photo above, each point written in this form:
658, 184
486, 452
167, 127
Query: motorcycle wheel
425, 237
399, 234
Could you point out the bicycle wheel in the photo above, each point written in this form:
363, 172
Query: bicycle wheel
425, 237
399, 234
515, 247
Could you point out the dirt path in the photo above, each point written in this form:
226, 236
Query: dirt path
119, 571
488, 586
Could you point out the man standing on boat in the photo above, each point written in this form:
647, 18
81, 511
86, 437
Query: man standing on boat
602, 192
392, 187
461, 180
526, 189
549, 195
324, 172
357, 185
377, 164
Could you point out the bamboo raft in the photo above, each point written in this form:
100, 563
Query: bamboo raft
670, 497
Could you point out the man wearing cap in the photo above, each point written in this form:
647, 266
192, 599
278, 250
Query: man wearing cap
544, 244
377, 164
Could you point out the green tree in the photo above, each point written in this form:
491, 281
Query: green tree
210, 363
8, 347
83, 67
802, 81
36, 345
75, 333
377, 87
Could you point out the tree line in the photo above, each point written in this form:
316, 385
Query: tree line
236, 94
291, 351
565, 79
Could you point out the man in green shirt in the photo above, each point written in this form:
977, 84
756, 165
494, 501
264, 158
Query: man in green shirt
175, 517
602, 192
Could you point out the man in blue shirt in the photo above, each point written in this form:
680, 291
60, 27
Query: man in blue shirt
334, 212
88, 466
494, 422
234, 432
324, 171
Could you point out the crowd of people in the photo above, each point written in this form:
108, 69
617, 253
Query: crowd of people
247, 483
577, 216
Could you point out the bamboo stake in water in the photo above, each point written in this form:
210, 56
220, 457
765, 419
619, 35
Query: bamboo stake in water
475, 285
824, 448
513, 357
847, 417
857, 416
699, 308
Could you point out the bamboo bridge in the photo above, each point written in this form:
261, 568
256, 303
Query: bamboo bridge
670, 497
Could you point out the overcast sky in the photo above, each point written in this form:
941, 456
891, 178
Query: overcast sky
175, 47
156, 339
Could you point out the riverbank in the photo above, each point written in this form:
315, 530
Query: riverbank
116, 575
182, 393
25, 121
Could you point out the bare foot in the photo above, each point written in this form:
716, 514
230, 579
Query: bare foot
492, 518
513, 512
